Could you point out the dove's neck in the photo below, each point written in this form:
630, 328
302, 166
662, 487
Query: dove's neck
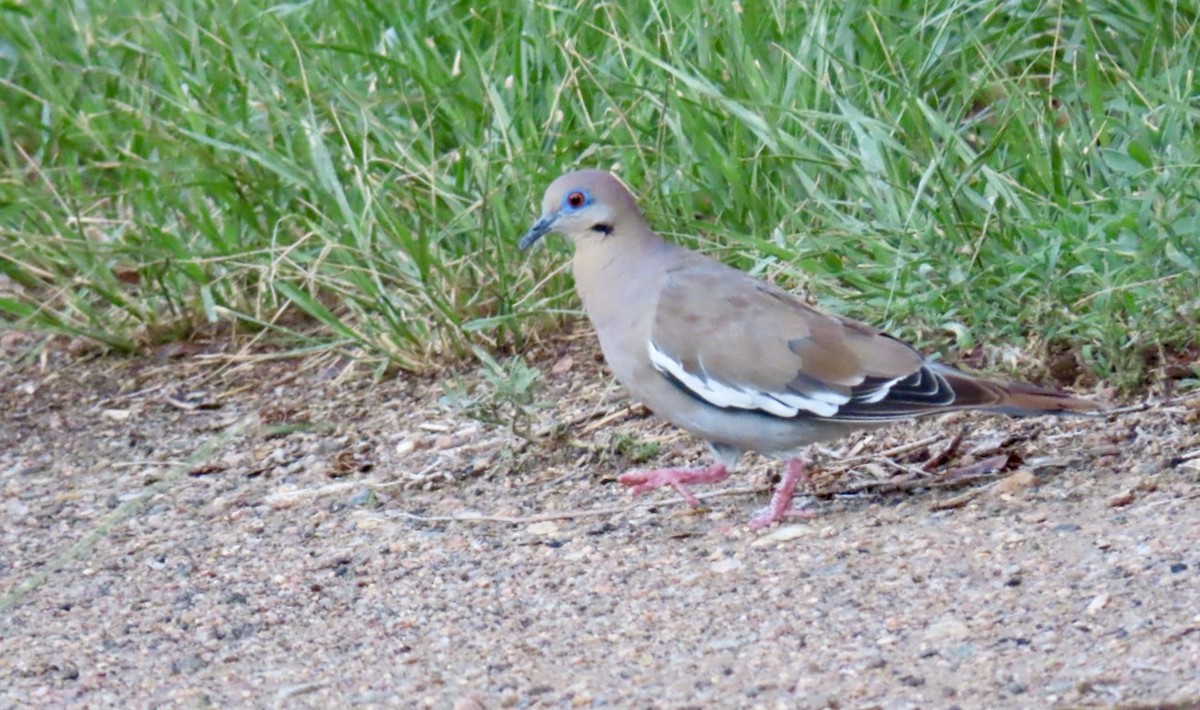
618, 276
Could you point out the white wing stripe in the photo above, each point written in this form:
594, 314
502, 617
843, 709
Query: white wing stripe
881, 392
780, 404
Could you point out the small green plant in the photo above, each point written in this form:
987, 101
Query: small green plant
502, 394
635, 450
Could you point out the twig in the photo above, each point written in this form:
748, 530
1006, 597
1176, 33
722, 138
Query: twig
1139, 407
954, 479
846, 464
1149, 404
944, 455
606, 419
1186, 457
572, 514
959, 500
905, 468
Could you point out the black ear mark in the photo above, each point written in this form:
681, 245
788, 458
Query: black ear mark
602, 228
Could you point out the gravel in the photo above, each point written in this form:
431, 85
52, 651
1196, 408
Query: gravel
377, 548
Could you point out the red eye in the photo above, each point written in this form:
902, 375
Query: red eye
576, 199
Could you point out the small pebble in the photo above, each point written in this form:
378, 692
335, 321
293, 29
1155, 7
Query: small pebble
1097, 603
729, 564
1121, 500
947, 629
544, 527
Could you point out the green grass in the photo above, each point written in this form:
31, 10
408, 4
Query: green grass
957, 172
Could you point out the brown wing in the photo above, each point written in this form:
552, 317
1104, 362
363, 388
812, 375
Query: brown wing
737, 342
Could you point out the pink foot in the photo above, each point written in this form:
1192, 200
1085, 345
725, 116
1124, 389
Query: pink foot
781, 500
644, 481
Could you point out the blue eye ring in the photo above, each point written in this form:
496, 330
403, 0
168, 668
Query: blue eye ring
576, 199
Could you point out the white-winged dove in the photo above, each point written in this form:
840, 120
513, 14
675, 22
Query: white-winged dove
736, 361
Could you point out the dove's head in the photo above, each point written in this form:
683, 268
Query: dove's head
587, 204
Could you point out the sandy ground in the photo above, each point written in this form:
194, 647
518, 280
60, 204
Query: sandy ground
381, 549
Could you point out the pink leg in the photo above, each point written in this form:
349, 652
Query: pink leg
781, 500
677, 478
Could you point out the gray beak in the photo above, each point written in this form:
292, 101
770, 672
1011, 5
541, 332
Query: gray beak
540, 229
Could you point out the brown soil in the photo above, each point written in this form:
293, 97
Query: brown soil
361, 544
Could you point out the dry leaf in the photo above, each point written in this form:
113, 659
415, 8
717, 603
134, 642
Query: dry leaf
563, 365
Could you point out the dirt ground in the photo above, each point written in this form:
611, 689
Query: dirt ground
202, 528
